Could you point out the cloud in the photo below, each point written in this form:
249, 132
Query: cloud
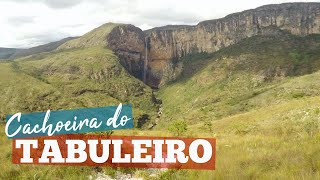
25, 23
55, 4
20, 20
62, 3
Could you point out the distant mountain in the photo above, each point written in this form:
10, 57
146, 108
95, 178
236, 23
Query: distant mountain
6, 53
39, 49
13, 53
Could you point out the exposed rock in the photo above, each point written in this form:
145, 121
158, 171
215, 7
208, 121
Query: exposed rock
168, 45
153, 55
128, 42
119, 176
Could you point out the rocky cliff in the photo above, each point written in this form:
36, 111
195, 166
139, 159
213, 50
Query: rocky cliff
128, 42
153, 55
168, 45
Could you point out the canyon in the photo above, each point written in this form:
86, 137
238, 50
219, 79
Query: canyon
154, 56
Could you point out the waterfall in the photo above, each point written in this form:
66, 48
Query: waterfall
145, 67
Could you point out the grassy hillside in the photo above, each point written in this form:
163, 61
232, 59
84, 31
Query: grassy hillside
280, 141
83, 76
259, 98
274, 142
94, 38
77, 78
255, 73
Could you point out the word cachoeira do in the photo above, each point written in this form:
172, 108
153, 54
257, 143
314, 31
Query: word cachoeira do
47, 128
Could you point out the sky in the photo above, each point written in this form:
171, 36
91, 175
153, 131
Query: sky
28, 23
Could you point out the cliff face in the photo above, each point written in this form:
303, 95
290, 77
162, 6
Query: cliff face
128, 43
156, 52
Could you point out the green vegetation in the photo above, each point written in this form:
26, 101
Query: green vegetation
94, 38
269, 143
77, 78
255, 73
259, 98
178, 128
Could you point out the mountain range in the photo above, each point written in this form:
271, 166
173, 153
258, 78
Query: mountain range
250, 79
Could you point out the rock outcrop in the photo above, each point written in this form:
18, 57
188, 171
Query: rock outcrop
128, 42
154, 55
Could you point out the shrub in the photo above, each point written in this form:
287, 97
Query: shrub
178, 128
207, 125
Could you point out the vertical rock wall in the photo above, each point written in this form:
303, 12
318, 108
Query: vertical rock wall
166, 45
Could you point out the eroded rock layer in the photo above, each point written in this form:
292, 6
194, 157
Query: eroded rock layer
154, 55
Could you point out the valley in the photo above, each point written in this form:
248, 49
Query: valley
251, 80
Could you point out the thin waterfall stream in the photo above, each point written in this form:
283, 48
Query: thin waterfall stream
145, 67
